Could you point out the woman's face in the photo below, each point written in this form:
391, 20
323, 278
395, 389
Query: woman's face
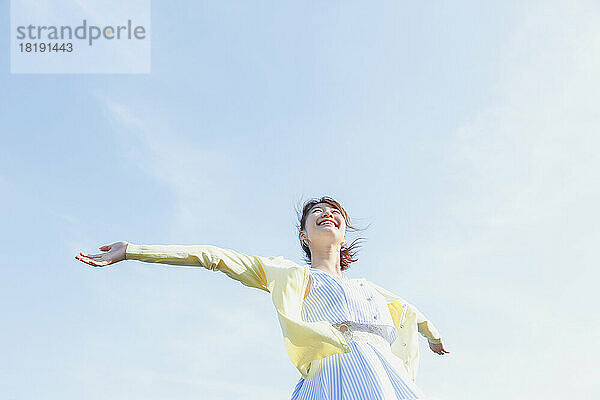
325, 224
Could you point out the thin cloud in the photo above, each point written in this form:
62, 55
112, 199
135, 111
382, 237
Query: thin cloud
525, 168
196, 176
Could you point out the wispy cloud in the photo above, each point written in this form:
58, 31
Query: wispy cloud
196, 176
526, 173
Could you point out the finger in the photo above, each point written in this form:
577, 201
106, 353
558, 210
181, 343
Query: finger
95, 262
91, 255
87, 260
101, 263
81, 258
106, 247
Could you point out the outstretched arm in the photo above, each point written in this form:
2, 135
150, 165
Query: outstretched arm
398, 311
427, 329
241, 267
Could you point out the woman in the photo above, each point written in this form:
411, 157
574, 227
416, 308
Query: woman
349, 338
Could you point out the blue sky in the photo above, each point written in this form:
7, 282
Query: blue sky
464, 133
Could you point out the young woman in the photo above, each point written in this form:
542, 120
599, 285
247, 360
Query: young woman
349, 338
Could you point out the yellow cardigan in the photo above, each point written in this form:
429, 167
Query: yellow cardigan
287, 282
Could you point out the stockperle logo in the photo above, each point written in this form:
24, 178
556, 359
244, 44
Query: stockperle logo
85, 32
80, 36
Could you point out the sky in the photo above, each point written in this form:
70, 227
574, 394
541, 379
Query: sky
462, 135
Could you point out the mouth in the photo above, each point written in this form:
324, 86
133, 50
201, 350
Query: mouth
327, 222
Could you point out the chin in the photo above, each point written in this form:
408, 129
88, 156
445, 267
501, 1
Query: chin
329, 235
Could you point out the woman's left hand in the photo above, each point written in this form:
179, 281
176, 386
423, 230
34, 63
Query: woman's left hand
438, 348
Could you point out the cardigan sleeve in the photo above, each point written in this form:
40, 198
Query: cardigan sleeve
249, 270
426, 328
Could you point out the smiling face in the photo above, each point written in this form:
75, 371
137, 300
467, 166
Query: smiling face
324, 225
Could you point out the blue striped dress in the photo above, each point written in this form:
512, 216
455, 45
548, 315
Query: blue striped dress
370, 370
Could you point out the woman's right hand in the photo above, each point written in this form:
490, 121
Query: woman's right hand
113, 253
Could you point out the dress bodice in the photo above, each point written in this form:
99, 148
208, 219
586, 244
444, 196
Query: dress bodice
340, 299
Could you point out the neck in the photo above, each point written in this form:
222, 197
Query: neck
327, 259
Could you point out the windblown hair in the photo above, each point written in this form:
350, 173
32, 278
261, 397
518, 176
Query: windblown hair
347, 253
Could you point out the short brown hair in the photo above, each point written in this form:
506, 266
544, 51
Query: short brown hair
347, 253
